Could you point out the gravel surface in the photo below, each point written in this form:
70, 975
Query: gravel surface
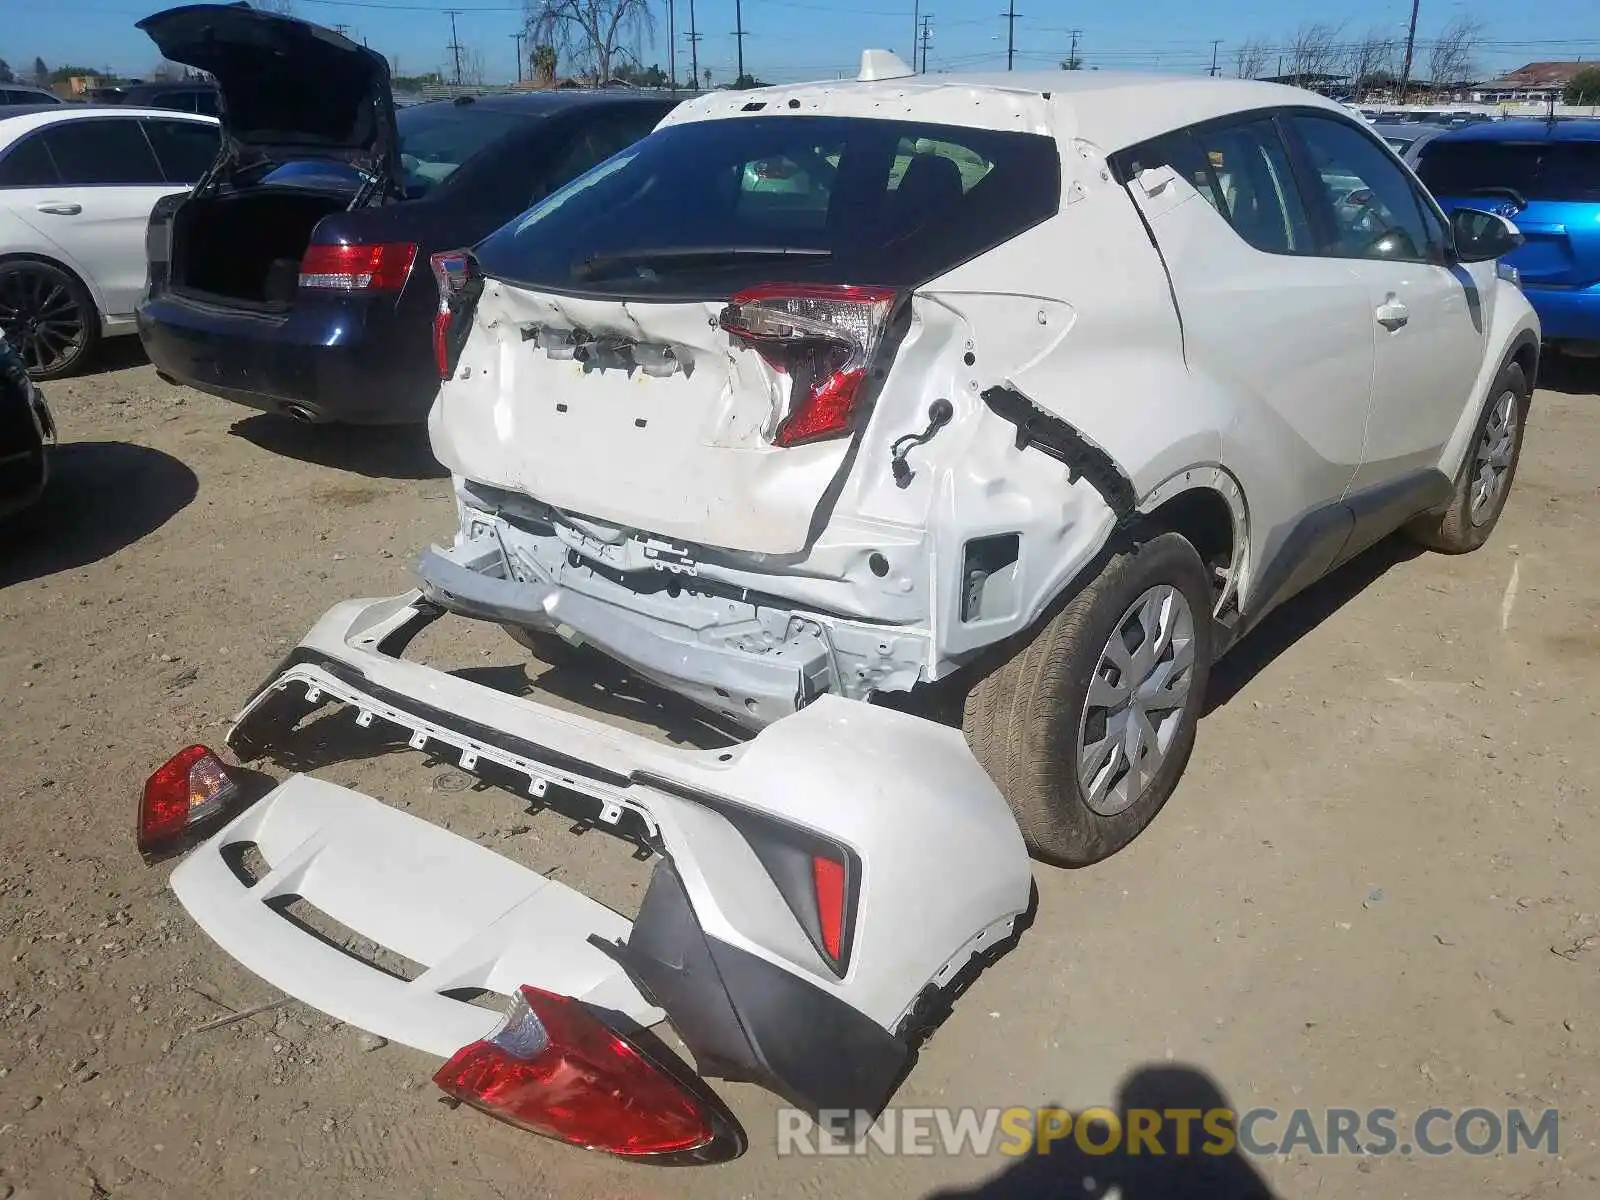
1376, 886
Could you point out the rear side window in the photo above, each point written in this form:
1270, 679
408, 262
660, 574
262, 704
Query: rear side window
102, 152
185, 149
28, 164
1562, 171
435, 139
704, 208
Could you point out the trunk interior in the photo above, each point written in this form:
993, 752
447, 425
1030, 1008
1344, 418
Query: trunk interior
247, 247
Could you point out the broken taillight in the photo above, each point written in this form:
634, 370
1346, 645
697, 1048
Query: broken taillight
381, 267
555, 1069
189, 788
456, 274
823, 337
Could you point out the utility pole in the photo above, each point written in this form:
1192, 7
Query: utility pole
738, 37
916, 30
1215, 42
517, 38
672, 45
694, 51
1011, 33
1411, 46
341, 29
1072, 55
927, 33
455, 43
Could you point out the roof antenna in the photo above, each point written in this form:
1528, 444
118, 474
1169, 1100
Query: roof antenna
882, 64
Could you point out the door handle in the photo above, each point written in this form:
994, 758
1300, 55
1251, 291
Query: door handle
1392, 314
60, 208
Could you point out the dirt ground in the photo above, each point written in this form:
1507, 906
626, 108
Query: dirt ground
1375, 887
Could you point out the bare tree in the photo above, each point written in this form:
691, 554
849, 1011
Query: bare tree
1314, 49
590, 34
1369, 61
284, 8
472, 66
1450, 57
1250, 59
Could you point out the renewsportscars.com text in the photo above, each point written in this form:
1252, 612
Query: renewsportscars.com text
1255, 1132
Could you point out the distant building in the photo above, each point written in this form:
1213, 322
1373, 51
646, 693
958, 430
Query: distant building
1537, 81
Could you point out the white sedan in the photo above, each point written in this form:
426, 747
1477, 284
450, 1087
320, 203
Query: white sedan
76, 188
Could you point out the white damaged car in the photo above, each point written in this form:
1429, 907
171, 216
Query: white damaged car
1038, 390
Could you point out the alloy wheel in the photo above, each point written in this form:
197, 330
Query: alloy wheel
1137, 693
41, 317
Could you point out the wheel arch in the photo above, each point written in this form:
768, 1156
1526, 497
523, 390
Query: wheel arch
1205, 504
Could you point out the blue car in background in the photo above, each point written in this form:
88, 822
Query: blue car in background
1544, 176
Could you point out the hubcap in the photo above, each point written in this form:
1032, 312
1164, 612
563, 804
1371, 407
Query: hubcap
40, 318
1136, 698
1492, 461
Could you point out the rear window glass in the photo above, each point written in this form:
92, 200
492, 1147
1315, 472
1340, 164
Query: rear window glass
1538, 170
703, 208
435, 139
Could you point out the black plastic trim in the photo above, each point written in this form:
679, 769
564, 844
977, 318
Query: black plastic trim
745, 1019
1051, 435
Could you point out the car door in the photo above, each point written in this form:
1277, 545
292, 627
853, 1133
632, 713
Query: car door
1282, 335
1428, 314
110, 179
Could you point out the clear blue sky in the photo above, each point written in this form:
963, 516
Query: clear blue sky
800, 39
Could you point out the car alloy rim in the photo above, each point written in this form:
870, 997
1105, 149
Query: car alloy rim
40, 317
1492, 462
1137, 693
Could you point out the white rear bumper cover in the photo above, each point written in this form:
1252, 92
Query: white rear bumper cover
939, 873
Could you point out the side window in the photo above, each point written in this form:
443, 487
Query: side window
1374, 210
102, 152
1182, 153
1255, 184
28, 164
205, 103
185, 149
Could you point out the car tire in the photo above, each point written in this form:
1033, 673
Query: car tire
34, 290
1484, 481
1038, 726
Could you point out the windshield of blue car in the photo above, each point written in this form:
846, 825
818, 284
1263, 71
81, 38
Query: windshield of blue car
435, 139
707, 206
1543, 170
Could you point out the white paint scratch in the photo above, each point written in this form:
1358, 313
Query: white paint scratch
1510, 598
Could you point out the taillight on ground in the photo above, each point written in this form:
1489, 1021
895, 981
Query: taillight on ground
184, 791
346, 268
555, 1069
823, 337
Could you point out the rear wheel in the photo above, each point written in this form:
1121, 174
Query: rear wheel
1087, 728
1486, 477
48, 317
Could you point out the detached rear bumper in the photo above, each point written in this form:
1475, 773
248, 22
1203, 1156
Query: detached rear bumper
725, 943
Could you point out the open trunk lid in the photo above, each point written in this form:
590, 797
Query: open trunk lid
290, 89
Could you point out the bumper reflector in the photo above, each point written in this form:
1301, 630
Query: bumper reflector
188, 788
555, 1069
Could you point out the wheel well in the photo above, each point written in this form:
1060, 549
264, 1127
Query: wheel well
64, 269
1202, 516
1527, 357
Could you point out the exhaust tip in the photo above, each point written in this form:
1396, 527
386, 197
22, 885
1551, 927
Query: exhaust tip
299, 412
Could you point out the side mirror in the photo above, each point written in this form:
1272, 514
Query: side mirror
1482, 236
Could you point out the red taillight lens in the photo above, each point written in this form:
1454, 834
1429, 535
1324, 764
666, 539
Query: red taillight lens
828, 876
188, 788
453, 272
823, 337
347, 268
555, 1069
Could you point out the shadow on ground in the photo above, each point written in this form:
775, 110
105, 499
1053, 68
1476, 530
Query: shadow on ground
1068, 1170
1298, 616
1570, 375
101, 497
115, 354
376, 451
